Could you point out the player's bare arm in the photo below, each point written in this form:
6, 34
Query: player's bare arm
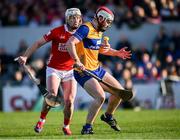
37, 44
122, 53
71, 44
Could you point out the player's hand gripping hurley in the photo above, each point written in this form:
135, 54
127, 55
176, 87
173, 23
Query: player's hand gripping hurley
51, 100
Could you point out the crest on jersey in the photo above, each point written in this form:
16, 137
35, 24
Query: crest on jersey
62, 47
48, 33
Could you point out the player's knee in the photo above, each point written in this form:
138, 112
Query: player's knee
101, 99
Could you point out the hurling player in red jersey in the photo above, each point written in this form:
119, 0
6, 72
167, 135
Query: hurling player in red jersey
59, 68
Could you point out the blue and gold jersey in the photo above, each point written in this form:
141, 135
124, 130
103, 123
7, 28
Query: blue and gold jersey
88, 48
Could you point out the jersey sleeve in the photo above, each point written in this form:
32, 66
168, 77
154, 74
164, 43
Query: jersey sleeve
81, 32
49, 35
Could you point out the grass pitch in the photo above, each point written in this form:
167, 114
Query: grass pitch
148, 124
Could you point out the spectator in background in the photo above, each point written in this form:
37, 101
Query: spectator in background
17, 78
164, 73
5, 57
40, 67
6, 61
140, 76
117, 71
146, 64
154, 16
166, 95
33, 23
163, 42
158, 64
120, 11
126, 75
56, 21
12, 17
128, 64
22, 18
3, 75
176, 44
139, 15
178, 66
154, 52
133, 71
123, 41
154, 75
22, 47
168, 9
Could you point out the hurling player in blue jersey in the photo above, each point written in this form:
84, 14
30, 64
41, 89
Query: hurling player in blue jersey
84, 47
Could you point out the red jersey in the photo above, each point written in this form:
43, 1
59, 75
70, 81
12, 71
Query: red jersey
59, 56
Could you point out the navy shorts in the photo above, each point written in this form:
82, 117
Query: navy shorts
81, 77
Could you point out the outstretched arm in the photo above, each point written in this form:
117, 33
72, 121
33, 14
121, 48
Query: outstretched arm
122, 53
107, 50
37, 44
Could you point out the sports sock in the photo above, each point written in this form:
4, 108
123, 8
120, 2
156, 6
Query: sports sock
109, 116
43, 115
66, 123
42, 120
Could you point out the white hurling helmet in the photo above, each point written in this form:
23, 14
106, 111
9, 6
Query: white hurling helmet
72, 11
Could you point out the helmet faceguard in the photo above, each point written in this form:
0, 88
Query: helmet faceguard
104, 18
68, 17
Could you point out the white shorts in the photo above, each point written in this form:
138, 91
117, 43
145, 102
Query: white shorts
64, 75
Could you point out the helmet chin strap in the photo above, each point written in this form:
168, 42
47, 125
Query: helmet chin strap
99, 28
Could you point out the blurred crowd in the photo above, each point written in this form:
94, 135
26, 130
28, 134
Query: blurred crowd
51, 12
161, 61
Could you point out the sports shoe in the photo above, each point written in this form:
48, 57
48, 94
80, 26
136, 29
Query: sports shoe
87, 130
66, 131
112, 122
39, 126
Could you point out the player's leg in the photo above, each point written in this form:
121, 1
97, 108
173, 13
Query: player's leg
69, 87
95, 90
113, 102
52, 82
